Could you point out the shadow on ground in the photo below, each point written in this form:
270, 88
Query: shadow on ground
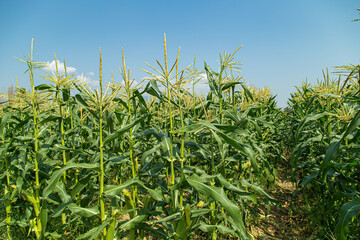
287, 220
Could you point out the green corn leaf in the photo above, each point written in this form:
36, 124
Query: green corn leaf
152, 131
80, 99
43, 218
110, 232
59, 210
310, 117
256, 188
173, 216
55, 177
51, 118
195, 213
190, 128
121, 131
24, 138
184, 224
166, 146
94, 233
153, 92
141, 99
84, 212
53, 235
155, 86
22, 123
187, 215
80, 185
112, 190
206, 227
214, 86
308, 179
233, 116
347, 212
219, 195
227, 85
133, 222
31, 198
354, 124
4, 121
221, 227
247, 91
122, 102
334, 147
236, 189
65, 94
61, 190
224, 230
239, 146
45, 87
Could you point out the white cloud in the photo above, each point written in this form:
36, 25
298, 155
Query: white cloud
61, 68
202, 86
156, 77
84, 78
87, 79
203, 76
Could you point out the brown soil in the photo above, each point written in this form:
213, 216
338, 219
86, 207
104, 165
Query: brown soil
286, 220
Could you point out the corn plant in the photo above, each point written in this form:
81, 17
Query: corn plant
325, 119
149, 159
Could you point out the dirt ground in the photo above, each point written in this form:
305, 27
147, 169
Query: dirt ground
287, 220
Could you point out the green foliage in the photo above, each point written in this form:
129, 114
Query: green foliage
324, 122
151, 160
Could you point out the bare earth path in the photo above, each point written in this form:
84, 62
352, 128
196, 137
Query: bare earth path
288, 220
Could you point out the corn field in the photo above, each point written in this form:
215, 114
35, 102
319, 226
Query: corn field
153, 159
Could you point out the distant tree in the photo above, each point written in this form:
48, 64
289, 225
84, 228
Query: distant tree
9, 96
2, 98
10, 92
355, 20
287, 110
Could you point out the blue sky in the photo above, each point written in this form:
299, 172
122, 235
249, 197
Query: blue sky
285, 41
